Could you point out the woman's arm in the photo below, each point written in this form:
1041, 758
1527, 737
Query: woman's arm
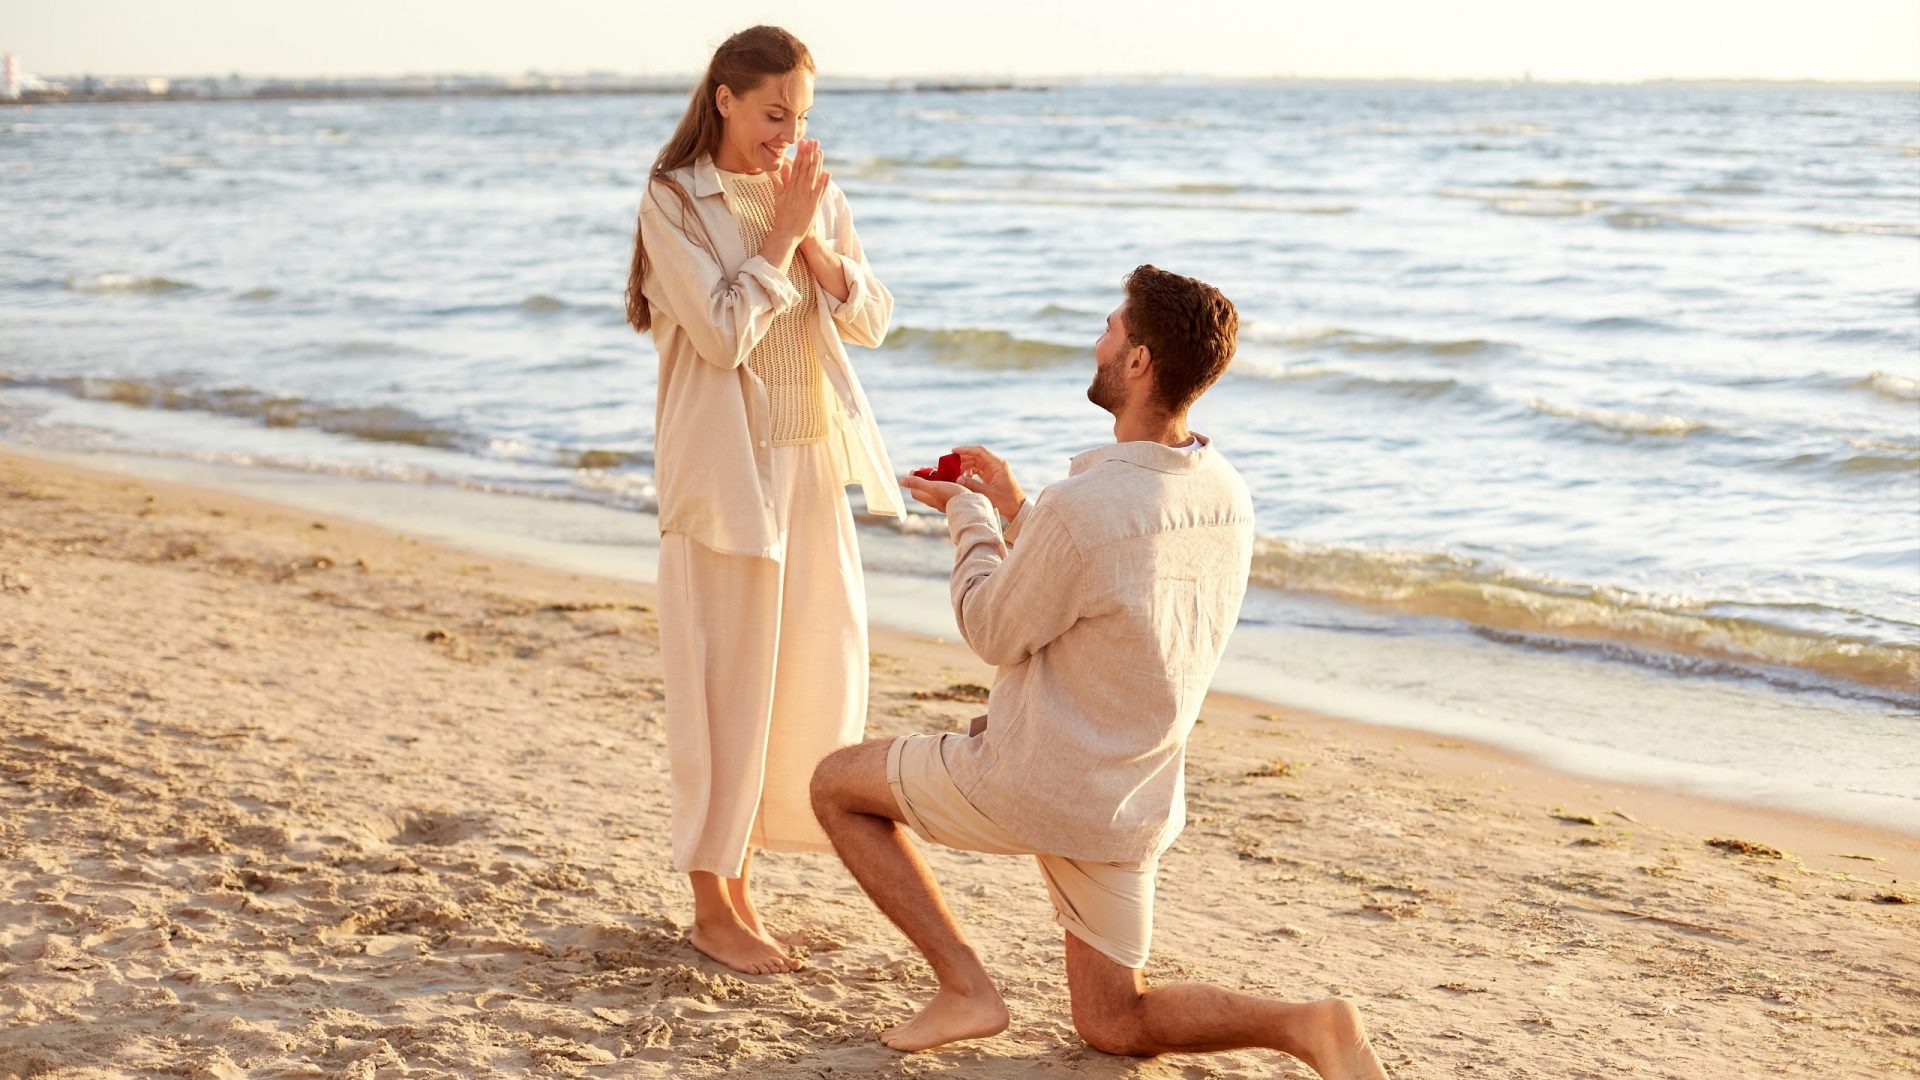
827, 267
863, 311
726, 316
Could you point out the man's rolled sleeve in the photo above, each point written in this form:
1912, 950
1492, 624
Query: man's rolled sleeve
1009, 605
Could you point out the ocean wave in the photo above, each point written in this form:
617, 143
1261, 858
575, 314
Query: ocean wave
126, 283
1893, 335
535, 304
366, 347
1100, 120
1879, 463
1063, 311
1637, 214
1861, 456
1336, 381
261, 293
1506, 201
531, 453
625, 490
1621, 423
1624, 322
1634, 219
990, 350
543, 304
1361, 343
1904, 449
1776, 676
1561, 183
1519, 128
1840, 228
1891, 386
374, 423
1121, 200
938, 161
1526, 206
1865, 228
1450, 586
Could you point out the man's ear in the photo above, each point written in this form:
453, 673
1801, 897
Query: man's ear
1139, 361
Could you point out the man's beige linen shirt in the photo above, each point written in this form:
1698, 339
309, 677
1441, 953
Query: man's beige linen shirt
713, 455
1106, 621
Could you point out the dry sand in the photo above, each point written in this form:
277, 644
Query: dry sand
284, 796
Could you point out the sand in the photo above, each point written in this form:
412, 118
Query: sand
290, 796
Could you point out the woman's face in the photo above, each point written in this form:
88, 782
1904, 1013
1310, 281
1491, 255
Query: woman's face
763, 122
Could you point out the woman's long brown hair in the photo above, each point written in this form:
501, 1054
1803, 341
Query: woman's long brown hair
741, 63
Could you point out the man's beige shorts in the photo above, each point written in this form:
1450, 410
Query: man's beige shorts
1107, 905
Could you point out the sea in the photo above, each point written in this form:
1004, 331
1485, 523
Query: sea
1582, 420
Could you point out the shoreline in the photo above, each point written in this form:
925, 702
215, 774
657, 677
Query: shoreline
1277, 665
933, 640
295, 795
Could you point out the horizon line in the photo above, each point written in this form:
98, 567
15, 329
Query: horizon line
826, 82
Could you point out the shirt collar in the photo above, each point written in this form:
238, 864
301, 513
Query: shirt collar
1148, 455
706, 178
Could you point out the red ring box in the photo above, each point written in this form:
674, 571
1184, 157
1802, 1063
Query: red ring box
948, 471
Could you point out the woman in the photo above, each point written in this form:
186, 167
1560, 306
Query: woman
748, 272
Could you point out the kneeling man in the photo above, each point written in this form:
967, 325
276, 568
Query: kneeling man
1106, 604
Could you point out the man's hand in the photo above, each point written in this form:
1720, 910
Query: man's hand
987, 473
934, 493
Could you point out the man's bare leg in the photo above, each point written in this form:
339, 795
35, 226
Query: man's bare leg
856, 807
1115, 1011
726, 928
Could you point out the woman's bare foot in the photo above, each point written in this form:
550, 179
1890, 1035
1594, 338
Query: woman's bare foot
726, 928
1335, 1043
743, 907
950, 1017
731, 943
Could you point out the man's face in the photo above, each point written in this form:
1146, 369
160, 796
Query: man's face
1109, 356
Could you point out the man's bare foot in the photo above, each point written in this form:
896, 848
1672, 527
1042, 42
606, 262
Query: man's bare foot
1335, 1043
733, 944
950, 1017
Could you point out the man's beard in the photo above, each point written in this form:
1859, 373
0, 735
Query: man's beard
1106, 390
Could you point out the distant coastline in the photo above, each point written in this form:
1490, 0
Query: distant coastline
89, 90
124, 89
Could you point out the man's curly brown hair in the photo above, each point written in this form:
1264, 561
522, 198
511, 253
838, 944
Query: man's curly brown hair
1189, 328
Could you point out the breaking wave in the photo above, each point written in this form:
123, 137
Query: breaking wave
1455, 587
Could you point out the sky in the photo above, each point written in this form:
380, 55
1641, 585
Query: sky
1623, 40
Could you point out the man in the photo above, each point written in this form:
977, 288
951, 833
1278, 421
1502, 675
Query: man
1106, 606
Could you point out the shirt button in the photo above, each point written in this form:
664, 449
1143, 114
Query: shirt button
763, 444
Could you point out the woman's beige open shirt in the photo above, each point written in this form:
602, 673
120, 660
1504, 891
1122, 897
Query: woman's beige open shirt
713, 452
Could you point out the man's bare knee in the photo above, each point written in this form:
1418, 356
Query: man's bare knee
829, 781
852, 779
1110, 1031
1106, 1001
